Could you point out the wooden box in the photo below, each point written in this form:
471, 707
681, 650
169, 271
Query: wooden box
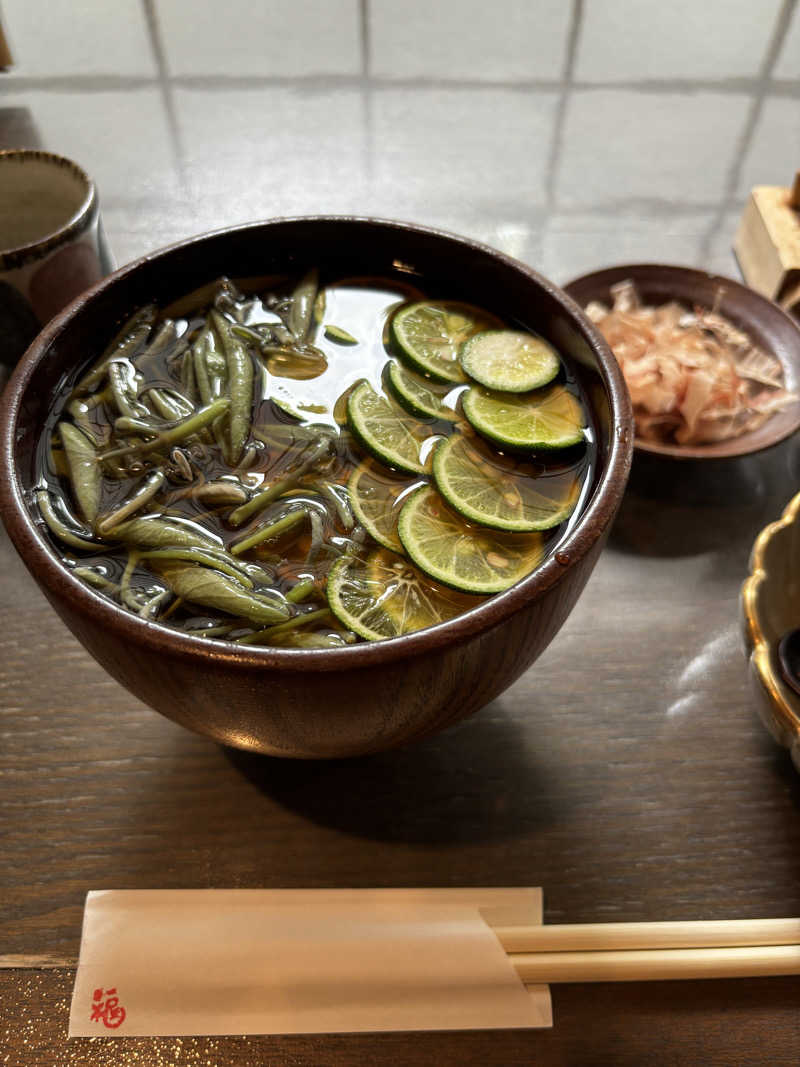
767, 243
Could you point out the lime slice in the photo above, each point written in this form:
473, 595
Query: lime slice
547, 418
386, 596
373, 497
415, 395
465, 557
509, 360
430, 335
487, 490
382, 431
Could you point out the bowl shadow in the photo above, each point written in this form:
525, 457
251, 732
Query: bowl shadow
686, 508
479, 780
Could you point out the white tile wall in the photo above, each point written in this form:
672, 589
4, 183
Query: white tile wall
500, 41
79, 37
774, 154
129, 241
519, 239
576, 244
120, 138
459, 151
473, 160
258, 153
720, 254
272, 37
621, 144
640, 39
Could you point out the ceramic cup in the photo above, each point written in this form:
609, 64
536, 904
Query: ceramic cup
52, 244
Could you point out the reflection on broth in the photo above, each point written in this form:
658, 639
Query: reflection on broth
296, 466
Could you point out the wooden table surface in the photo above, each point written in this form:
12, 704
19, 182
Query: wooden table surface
626, 772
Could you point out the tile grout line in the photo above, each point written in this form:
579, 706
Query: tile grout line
166, 86
366, 92
557, 143
744, 143
660, 207
786, 87
366, 42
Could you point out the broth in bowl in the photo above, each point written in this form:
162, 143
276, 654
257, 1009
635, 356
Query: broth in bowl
311, 463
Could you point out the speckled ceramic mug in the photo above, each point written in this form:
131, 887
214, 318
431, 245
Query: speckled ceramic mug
52, 245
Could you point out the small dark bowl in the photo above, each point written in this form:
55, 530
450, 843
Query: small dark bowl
367, 697
765, 323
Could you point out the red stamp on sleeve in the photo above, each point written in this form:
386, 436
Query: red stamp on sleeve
109, 1011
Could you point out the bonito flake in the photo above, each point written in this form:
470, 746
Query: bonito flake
693, 377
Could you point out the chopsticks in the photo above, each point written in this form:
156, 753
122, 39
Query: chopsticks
635, 952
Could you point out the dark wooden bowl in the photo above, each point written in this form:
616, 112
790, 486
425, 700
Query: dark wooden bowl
772, 329
367, 697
